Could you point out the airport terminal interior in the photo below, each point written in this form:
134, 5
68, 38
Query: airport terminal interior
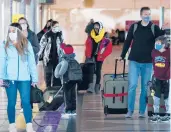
73, 17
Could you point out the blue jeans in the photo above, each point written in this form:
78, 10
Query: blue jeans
24, 90
145, 71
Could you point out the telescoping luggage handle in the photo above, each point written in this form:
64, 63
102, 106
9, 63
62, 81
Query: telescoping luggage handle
116, 64
58, 91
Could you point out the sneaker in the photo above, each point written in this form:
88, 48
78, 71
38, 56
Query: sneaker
29, 127
21, 111
155, 118
12, 128
141, 115
74, 112
129, 115
165, 118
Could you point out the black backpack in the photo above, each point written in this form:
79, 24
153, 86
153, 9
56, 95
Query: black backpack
74, 72
152, 28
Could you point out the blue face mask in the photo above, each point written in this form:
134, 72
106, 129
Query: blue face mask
147, 19
158, 46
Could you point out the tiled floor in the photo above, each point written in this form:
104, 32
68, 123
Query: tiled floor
90, 117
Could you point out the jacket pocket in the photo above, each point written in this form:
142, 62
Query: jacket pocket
11, 68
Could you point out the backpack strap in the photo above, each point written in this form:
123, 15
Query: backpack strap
135, 27
153, 29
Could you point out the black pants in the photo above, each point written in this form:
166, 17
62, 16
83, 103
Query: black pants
97, 70
161, 87
70, 95
49, 75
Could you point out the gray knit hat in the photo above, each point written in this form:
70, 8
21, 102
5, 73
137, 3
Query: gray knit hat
165, 39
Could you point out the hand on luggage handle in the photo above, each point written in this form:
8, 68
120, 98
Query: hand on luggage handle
116, 61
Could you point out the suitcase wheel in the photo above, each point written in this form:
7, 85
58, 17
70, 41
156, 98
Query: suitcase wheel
106, 110
150, 113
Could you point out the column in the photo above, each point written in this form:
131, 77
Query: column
1, 11
6, 7
44, 14
38, 19
32, 14
23, 7
49, 12
11, 8
161, 20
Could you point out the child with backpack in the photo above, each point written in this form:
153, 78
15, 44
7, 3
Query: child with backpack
161, 66
70, 73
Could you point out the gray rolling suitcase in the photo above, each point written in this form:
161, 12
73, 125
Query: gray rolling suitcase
115, 92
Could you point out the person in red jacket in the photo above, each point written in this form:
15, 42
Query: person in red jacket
97, 48
161, 66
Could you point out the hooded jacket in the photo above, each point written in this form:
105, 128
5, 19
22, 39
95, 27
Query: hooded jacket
62, 67
103, 48
15, 67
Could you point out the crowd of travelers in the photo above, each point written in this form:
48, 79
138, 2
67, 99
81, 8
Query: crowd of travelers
22, 49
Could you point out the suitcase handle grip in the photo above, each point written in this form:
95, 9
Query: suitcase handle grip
116, 64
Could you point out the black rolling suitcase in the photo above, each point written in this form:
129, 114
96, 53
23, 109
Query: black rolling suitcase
53, 99
88, 72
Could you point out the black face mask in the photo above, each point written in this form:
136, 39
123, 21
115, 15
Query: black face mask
96, 31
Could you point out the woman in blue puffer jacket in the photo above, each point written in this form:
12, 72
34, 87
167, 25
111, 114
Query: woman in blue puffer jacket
18, 67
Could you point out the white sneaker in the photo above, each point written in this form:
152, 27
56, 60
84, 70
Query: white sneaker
21, 111
129, 114
29, 127
141, 115
12, 128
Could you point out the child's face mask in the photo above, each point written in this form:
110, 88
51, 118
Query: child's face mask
158, 45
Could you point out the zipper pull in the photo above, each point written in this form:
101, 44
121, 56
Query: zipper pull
103, 49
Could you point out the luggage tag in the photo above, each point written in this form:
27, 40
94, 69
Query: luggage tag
50, 99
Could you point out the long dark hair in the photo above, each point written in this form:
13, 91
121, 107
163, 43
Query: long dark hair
45, 27
54, 22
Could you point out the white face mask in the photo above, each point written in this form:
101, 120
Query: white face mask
24, 26
13, 36
55, 29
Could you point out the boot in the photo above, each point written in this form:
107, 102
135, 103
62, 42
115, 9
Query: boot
12, 128
29, 127
97, 88
90, 88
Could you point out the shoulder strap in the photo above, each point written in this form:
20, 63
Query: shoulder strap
153, 29
135, 27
